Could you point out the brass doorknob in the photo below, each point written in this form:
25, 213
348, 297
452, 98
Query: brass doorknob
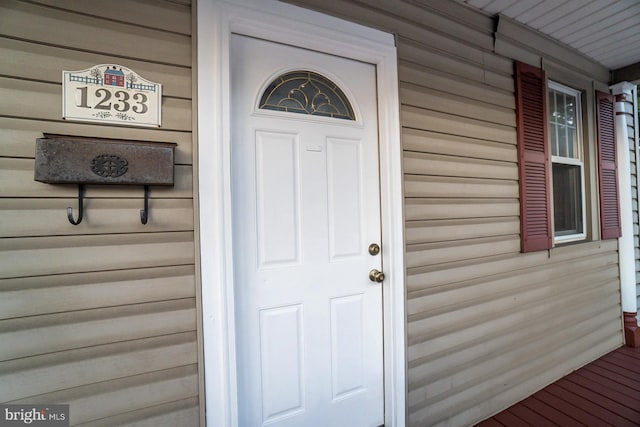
376, 276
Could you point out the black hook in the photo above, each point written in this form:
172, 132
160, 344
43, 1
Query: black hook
144, 213
80, 207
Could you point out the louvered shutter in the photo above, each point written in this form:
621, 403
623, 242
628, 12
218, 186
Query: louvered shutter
607, 165
533, 158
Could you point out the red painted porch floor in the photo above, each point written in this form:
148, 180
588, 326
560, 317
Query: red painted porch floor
605, 392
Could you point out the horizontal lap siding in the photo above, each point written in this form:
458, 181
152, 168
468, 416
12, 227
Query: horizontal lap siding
486, 325
102, 315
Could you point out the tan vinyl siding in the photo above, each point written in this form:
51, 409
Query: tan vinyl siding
102, 315
486, 325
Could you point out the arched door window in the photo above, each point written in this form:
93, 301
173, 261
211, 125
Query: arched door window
306, 92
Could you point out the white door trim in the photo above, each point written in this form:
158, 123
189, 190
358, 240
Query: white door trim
271, 20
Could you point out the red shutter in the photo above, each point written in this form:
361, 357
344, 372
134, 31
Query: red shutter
607, 165
533, 158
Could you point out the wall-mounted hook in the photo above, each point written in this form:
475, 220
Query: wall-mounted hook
80, 207
144, 213
64, 159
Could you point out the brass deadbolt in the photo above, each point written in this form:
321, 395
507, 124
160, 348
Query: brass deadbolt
374, 249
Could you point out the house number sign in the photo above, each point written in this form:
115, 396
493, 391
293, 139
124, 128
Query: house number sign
109, 93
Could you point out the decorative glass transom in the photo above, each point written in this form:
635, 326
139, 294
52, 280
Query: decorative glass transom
306, 92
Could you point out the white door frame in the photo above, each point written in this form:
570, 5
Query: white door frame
280, 22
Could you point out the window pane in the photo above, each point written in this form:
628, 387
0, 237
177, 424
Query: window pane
562, 141
560, 109
306, 92
571, 142
556, 121
564, 147
563, 124
553, 138
567, 199
570, 110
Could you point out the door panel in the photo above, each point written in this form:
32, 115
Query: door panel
282, 353
347, 345
277, 171
344, 177
305, 207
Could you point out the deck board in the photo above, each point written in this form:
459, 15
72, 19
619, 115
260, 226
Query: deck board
567, 408
491, 422
618, 392
585, 405
524, 413
606, 375
605, 392
616, 412
610, 371
557, 417
508, 419
623, 362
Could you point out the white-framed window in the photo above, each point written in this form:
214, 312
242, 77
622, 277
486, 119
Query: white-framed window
567, 162
551, 162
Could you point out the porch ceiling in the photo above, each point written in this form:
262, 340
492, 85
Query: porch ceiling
608, 31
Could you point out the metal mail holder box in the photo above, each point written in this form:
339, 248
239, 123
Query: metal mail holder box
62, 159
81, 160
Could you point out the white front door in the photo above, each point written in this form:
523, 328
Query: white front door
305, 208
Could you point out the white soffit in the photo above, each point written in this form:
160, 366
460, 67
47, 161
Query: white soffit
608, 31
